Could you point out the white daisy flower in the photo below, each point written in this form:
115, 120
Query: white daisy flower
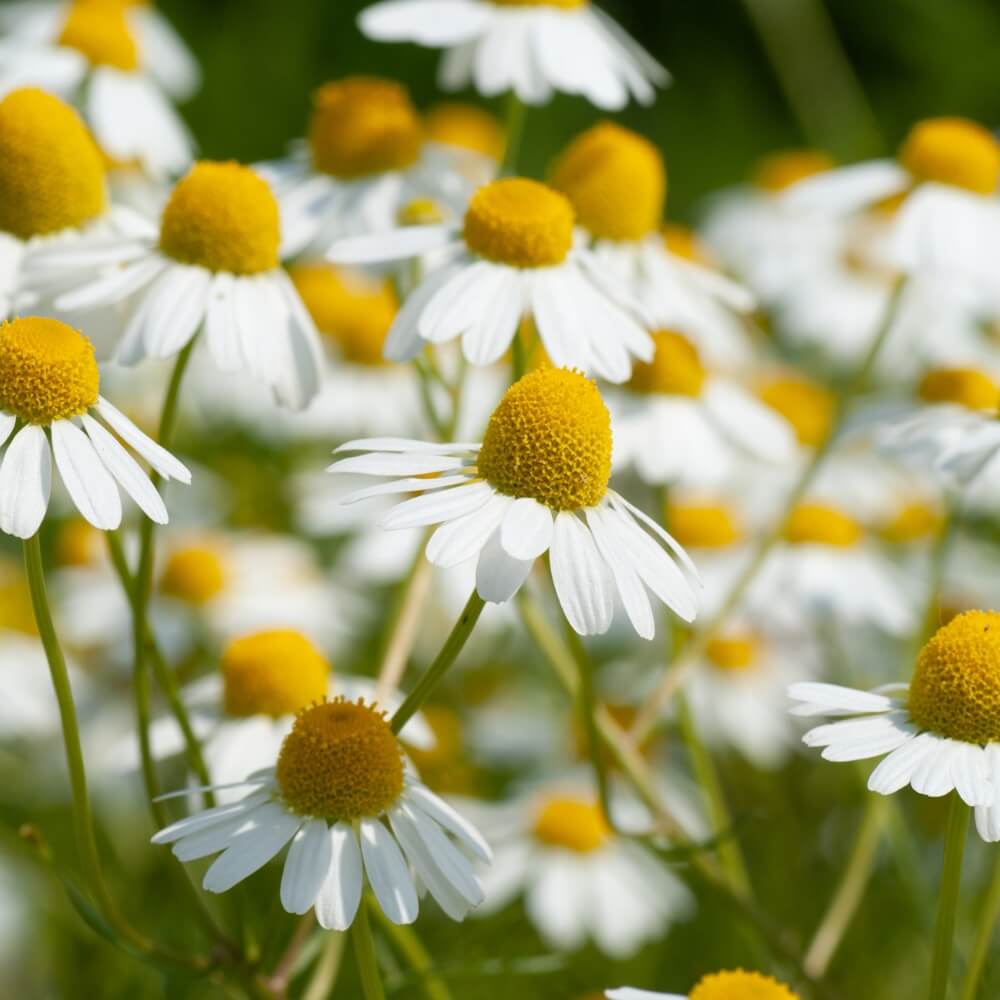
538, 483
94, 61
940, 731
474, 135
341, 795
213, 265
513, 256
734, 985
533, 47
50, 404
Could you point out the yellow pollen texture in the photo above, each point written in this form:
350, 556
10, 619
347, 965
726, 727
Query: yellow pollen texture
740, 985
352, 310
955, 690
47, 370
273, 673
616, 180
341, 761
808, 407
703, 525
51, 173
732, 653
467, 127
550, 438
222, 217
363, 126
818, 524
953, 151
780, 171
519, 222
573, 824
195, 574
99, 30
966, 387
676, 368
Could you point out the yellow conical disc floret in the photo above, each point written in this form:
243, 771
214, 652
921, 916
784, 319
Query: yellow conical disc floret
953, 151
734, 653
966, 387
780, 171
465, 126
676, 368
341, 761
51, 173
808, 407
354, 311
47, 371
703, 525
740, 985
550, 439
99, 30
520, 223
573, 824
222, 217
273, 673
616, 181
818, 524
363, 125
955, 689
195, 574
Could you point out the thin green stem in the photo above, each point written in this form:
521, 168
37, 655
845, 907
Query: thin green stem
518, 357
939, 564
985, 928
435, 672
404, 939
951, 879
514, 126
324, 976
364, 954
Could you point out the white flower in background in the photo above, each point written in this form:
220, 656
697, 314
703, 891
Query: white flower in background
533, 47
514, 256
941, 732
213, 265
341, 795
94, 61
538, 483
472, 134
734, 985
50, 404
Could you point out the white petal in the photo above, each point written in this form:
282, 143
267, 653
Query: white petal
413, 484
25, 482
433, 508
396, 245
434, 23
113, 287
630, 587
498, 574
485, 341
385, 464
833, 699
859, 739
306, 867
933, 775
847, 189
454, 822
971, 775
408, 445
465, 537
89, 484
221, 329
388, 873
208, 817
897, 769
340, 893
527, 528
272, 828
581, 577
159, 458
7, 423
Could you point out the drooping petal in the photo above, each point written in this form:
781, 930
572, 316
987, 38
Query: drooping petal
340, 894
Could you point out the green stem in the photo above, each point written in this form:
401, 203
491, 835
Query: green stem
518, 357
951, 879
985, 928
364, 954
410, 947
436, 671
514, 123
324, 977
939, 563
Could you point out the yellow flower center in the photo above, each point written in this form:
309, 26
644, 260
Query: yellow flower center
703, 525
955, 689
616, 181
272, 673
341, 761
818, 524
740, 985
733, 653
550, 438
966, 387
808, 407
676, 368
47, 370
16, 611
195, 574
953, 151
51, 174
912, 522
100, 32
222, 217
421, 212
573, 824
683, 242
561, 4
467, 127
362, 126
354, 311
79, 544
520, 223
780, 171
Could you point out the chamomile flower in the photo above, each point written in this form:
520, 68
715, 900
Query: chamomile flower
213, 265
341, 795
538, 483
50, 404
532, 47
472, 134
735, 985
940, 731
514, 255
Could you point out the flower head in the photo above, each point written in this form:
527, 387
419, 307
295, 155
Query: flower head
953, 151
100, 31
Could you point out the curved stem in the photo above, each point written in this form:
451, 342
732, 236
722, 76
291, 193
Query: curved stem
514, 124
985, 928
406, 942
951, 878
324, 976
364, 954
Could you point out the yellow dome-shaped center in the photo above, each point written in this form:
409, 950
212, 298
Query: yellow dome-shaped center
616, 180
780, 171
79, 544
466, 127
273, 673
222, 217
808, 407
955, 689
740, 985
100, 31
520, 223
195, 574
966, 387
683, 242
47, 370
354, 311
363, 126
733, 653
819, 524
51, 173
341, 761
16, 611
573, 824
550, 438
676, 368
953, 151
703, 525
912, 522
